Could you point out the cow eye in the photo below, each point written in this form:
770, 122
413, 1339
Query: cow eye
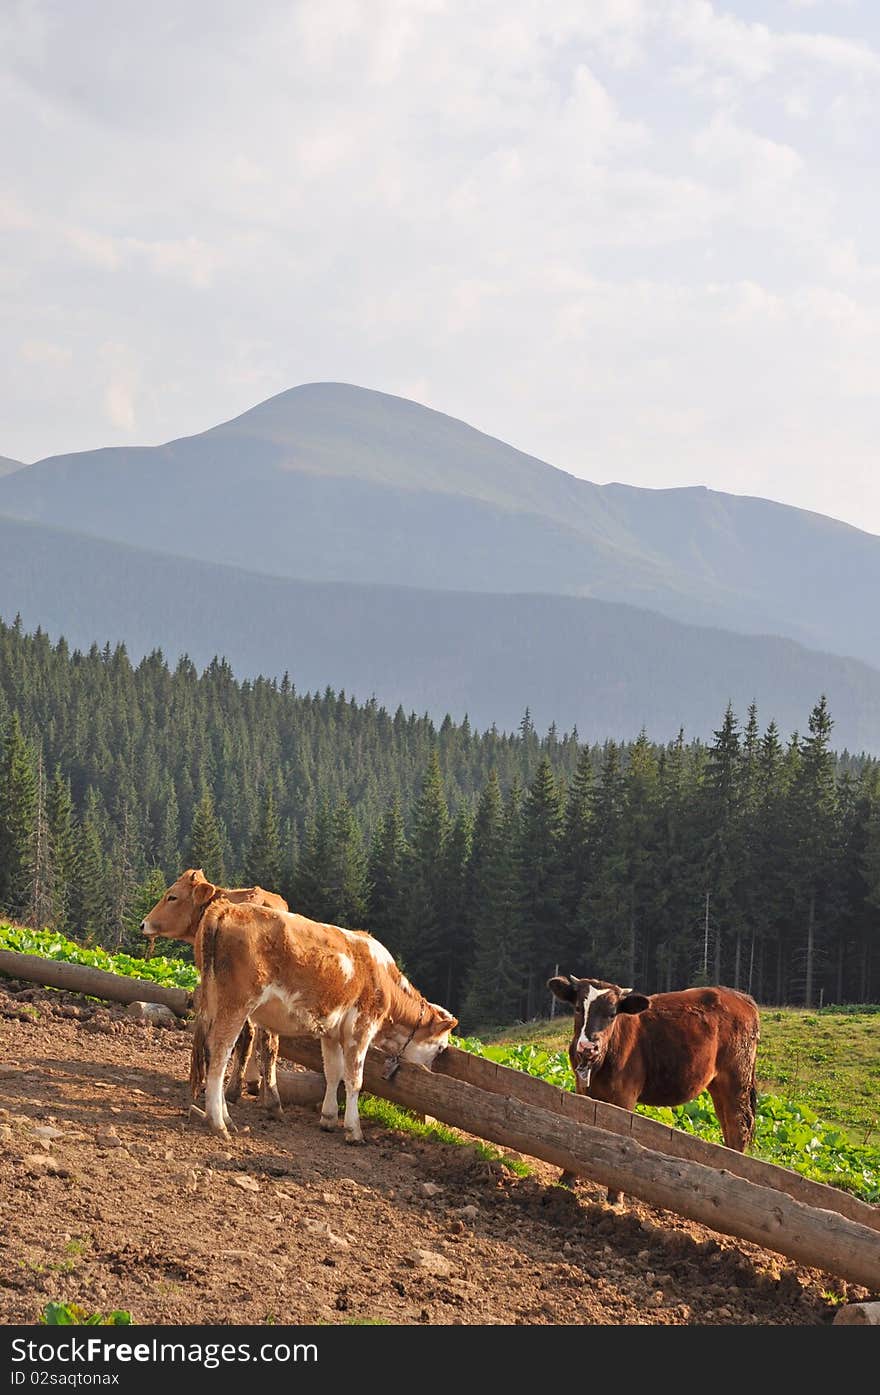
169, 897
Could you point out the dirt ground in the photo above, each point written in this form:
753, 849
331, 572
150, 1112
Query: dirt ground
111, 1198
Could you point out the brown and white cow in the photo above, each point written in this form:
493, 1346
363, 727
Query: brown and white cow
296, 977
256, 1053
630, 1049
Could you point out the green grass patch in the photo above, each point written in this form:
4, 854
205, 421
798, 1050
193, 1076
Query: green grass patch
392, 1116
172, 973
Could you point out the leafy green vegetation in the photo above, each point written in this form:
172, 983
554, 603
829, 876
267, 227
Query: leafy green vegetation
74, 1315
172, 973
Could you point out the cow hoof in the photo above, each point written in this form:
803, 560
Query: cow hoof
275, 1112
232, 1096
253, 1087
219, 1129
329, 1122
568, 1179
354, 1137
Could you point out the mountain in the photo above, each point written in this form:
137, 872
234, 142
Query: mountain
330, 482
609, 668
7, 465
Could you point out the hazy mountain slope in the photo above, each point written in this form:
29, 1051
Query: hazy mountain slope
332, 482
7, 465
608, 668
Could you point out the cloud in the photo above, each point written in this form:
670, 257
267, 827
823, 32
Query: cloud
615, 233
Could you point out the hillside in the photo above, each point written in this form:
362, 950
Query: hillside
403, 1231
329, 482
609, 669
7, 465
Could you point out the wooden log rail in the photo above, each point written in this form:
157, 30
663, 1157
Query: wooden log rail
489, 1075
821, 1238
806, 1221
95, 983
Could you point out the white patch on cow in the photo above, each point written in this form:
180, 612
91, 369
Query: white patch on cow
380, 954
290, 999
147, 929
346, 964
424, 1053
592, 994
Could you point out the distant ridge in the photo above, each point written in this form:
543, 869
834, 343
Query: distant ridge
608, 668
331, 482
7, 465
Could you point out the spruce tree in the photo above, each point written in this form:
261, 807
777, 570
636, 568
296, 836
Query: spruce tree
540, 911
206, 841
425, 888
264, 858
62, 840
347, 884
18, 812
388, 857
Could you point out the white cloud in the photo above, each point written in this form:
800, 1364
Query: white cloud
633, 236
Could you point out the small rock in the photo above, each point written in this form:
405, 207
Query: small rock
6, 1134
469, 1213
457, 1227
247, 1184
432, 1262
656, 1299
48, 1131
723, 1313
430, 1189
108, 1138
157, 1014
44, 1165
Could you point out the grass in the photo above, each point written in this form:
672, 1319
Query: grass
827, 1059
391, 1116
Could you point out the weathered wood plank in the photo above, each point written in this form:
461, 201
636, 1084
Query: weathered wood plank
489, 1075
95, 983
714, 1197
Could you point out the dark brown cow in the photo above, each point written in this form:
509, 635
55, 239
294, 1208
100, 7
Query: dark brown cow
630, 1049
256, 1051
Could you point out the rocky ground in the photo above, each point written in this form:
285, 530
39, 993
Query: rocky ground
111, 1198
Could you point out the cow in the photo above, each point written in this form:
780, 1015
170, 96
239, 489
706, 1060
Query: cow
296, 977
628, 1049
260, 1047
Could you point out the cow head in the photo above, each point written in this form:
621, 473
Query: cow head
596, 1007
176, 915
431, 1037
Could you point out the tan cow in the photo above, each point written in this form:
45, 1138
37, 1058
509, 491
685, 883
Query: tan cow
298, 977
256, 1053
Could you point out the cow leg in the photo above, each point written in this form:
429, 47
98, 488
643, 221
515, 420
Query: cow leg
331, 1053
354, 1055
267, 1043
240, 1061
197, 1068
253, 1070
734, 1102
219, 1048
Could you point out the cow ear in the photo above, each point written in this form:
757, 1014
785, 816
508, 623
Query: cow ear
202, 892
633, 1002
563, 988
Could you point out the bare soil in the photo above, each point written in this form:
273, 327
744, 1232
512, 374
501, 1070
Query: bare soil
112, 1198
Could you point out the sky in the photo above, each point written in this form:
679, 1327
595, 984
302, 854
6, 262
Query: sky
637, 238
